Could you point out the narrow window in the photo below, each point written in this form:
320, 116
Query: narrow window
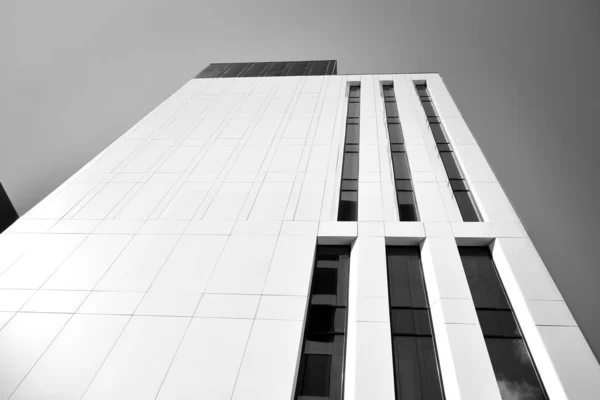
322, 363
407, 206
348, 209
514, 369
416, 372
460, 187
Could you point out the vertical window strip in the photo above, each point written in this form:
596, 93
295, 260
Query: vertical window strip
460, 187
348, 205
320, 375
513, 366
416, 370
407, 205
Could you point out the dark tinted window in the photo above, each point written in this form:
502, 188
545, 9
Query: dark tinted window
322, 362
451, 166
514, 369
348, 204
407, 206
348, 209
325, 281
350, 170
464, 200
401, 170
416, 372
466, 205
316, 375
395, 131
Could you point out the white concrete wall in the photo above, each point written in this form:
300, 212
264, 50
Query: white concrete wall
177, 263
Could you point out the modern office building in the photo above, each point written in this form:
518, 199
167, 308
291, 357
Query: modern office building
8, 214
275, 231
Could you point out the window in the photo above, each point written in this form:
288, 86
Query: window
348, 206
514, 369
416, 372
462, 194
407, 206
321, 369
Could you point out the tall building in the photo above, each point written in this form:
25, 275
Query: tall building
8, 214
277, 231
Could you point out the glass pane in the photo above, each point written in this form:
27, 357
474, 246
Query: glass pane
459, 185
429, 110
417, 376
316, 375
404, 185
353, 110
401, 169
467, 207
407, 208
514, 370
324, 281
348, 184
483, 281
395, 131
397, 148
320, 319
410, 322
405, 275
354, 92
348, 210
350, 168
498, 323
451, 167
390, 109
352, 133
444, 147
438, 132
351, 148
388, 90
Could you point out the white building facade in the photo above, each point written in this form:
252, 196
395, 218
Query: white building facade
179, 263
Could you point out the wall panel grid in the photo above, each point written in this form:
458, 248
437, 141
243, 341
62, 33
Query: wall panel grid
179, 261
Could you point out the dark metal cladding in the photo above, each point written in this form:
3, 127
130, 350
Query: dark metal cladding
279, 68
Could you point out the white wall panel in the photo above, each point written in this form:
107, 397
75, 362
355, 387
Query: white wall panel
68, 366
138, 265
269, 365
39, 263
137, 365
243, 267
207, 363
190, 265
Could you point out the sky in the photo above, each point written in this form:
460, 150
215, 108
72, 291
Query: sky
76, 74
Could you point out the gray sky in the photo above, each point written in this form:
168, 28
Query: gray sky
75, 74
